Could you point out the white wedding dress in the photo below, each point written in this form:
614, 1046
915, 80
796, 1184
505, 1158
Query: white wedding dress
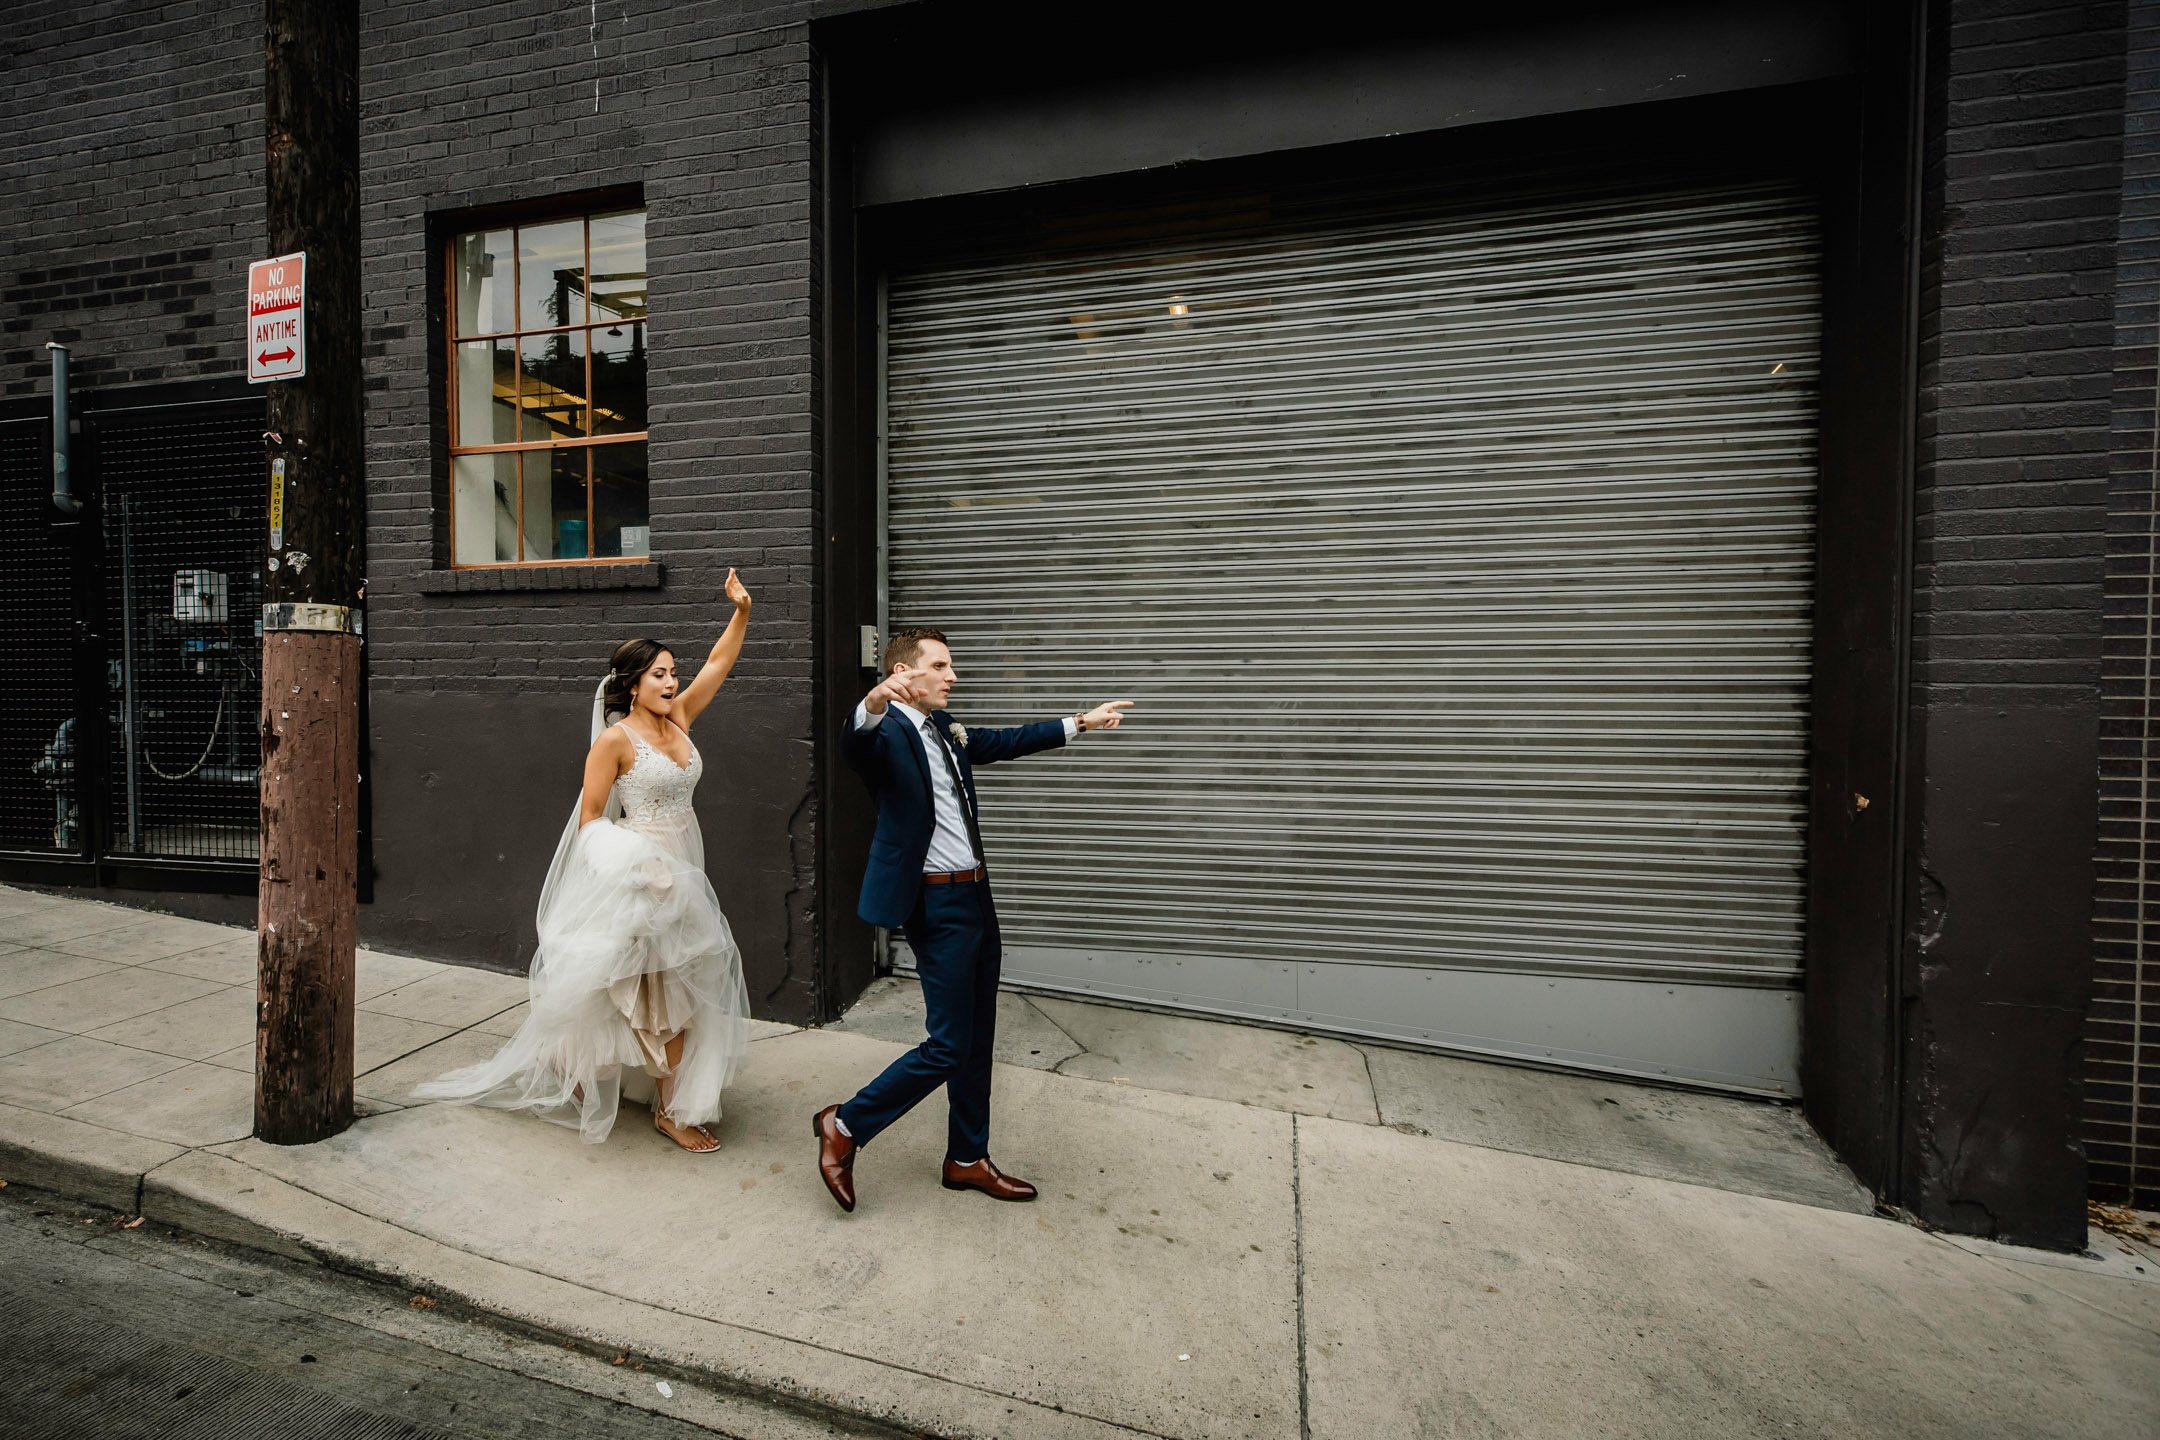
633, 951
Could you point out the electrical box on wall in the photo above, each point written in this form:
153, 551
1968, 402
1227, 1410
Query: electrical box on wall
199, 595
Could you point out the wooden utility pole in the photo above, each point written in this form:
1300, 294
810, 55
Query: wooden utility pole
312, 584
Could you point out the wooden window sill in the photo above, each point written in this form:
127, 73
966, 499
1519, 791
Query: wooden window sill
497, 578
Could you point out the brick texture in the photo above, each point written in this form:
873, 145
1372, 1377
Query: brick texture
2122, 1054
2022, 188
131, 176
133, 189
2017, 327
708, 107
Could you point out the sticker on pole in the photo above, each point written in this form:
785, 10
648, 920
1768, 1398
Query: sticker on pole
277, 319
277, 505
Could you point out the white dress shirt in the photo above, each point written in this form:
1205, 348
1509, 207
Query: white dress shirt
950, 848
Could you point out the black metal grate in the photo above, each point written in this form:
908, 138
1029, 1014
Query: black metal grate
183, 518
39, 807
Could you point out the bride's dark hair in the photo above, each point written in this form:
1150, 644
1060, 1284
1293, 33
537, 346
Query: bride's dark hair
631, 659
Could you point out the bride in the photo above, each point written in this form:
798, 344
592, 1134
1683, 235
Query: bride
636, 966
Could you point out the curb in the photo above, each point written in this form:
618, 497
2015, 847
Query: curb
217, 1195
79, 1160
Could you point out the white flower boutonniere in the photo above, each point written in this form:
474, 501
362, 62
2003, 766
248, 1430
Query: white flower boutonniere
958, 733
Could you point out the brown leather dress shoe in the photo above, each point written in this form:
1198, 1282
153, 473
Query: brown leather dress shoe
835, 1156
986, 1177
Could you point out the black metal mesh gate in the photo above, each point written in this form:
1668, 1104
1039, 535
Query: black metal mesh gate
40, 808
182, 496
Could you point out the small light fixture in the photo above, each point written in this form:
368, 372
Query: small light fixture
1177, 305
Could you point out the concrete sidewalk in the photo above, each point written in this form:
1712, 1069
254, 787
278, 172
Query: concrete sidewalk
1242, 1232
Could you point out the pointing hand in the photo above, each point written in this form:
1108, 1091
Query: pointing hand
895, 686
1106, 715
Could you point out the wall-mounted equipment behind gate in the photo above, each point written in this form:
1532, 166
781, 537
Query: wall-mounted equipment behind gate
183, 526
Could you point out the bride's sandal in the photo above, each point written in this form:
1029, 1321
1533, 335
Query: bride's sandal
712, 1141
663, 1101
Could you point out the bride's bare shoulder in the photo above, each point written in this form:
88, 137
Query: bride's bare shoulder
614, 744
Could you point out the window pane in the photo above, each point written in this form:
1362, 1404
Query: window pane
554, 385
480, 269
483, 504
486, 392
618, 267
551, 274
621, 514
555, 504
618, 379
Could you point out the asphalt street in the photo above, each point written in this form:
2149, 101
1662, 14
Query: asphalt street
115, 1331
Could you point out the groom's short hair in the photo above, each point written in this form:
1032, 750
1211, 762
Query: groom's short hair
905, 646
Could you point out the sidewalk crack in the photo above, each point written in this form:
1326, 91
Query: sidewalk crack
1372, 1086
1297, 1215
1048, 1019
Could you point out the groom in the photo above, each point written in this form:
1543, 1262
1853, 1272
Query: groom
926, 876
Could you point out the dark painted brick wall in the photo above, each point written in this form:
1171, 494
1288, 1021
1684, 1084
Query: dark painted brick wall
709, 108
2122, 1049
2017, 332
131, 179
132, 188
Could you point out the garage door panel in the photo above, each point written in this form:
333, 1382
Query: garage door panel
1462, 562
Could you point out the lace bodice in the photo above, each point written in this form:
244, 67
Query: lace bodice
655, 786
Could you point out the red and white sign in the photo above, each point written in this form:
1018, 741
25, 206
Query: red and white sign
277, 319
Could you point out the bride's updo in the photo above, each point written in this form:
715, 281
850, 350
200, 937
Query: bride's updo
631, 659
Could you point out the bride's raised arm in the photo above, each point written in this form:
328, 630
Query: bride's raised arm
698, 693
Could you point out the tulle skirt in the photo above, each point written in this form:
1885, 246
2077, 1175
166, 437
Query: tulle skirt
633, 951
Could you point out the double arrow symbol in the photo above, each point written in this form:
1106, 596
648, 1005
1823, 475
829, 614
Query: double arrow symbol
269, 355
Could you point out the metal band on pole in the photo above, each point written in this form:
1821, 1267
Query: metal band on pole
322, 619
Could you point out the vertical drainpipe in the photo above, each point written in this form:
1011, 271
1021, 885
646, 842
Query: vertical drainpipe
63, 492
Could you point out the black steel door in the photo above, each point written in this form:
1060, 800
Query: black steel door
131, 641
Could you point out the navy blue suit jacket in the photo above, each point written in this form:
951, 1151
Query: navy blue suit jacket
892, 757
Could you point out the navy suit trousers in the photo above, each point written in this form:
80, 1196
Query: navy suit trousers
954, 934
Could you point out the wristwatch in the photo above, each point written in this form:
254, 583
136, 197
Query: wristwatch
1081, 721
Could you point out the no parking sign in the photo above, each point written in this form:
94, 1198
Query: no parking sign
277, 319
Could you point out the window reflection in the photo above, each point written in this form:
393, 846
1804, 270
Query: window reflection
551, 389
618, 379
618, 267
483, 522
621, 501
487, 393
482, 270
551, 274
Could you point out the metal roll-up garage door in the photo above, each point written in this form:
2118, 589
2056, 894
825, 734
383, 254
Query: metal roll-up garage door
1459, 556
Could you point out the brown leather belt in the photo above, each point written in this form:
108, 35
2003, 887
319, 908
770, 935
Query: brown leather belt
956, 877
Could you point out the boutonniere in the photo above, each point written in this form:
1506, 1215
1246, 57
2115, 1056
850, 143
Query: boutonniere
958, 733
